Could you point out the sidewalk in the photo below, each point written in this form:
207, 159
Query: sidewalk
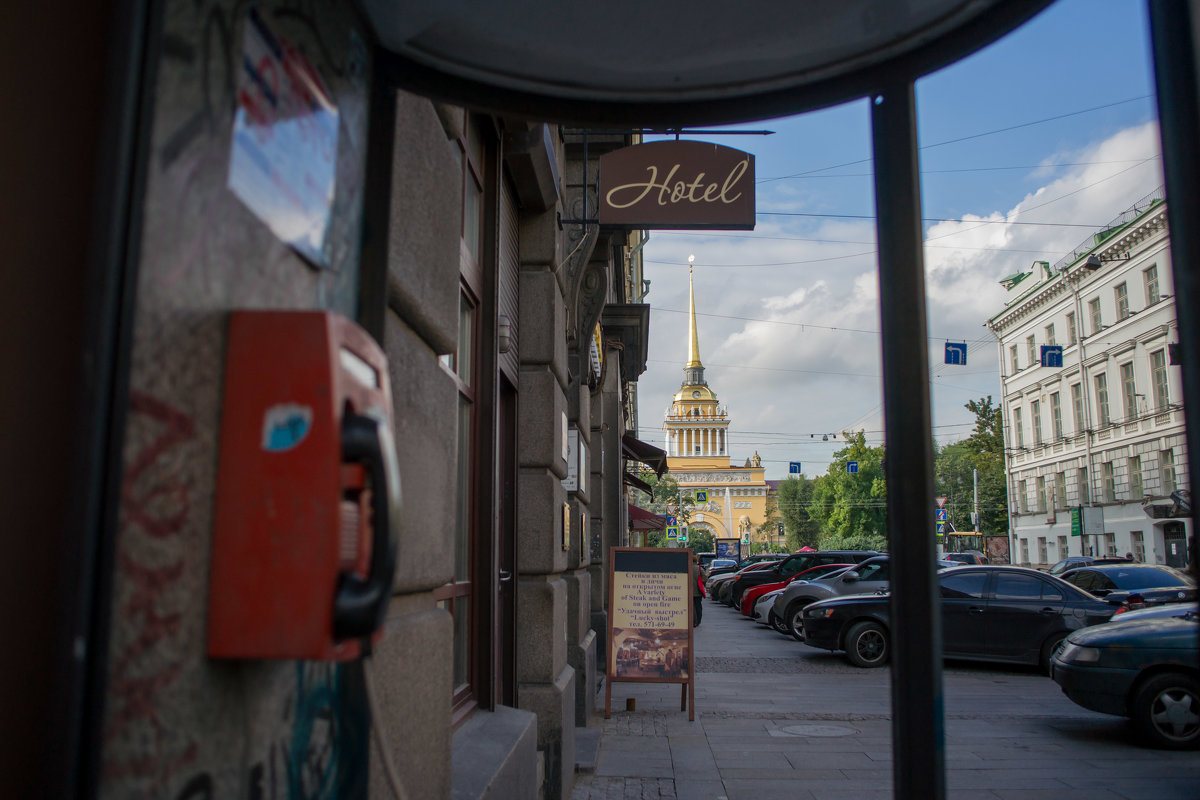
777, 719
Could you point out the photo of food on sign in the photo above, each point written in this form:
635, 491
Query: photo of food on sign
646, 653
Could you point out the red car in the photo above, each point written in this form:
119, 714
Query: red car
751, 595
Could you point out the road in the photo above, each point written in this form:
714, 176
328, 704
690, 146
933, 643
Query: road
777, 718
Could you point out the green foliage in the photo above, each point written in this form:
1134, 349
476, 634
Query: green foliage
794, 497
701, 541
982, 450
666, 493
845, 504
863, 541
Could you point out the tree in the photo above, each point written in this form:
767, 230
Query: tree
852, 504
666, 493
985, 451
795, 495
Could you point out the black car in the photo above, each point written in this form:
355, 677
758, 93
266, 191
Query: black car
989, 613
1133, 585
1071, 562
1144, 669
745, 562
793, 565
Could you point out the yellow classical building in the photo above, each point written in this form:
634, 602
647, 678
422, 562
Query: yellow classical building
697, 445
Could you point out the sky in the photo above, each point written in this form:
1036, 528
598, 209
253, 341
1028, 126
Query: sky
1028, 147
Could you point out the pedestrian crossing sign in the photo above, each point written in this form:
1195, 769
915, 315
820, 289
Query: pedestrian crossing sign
672, 531
702, 495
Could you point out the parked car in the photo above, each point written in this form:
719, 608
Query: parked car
1134, 585
745, 562
724, 590
715, 582
1144, 669
870, 576
796, 563
751, 595
705, 559
966, 557
1162, 611
761, 613
989, 613
1071, 562
718, 566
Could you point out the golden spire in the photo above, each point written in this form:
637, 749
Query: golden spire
694, 343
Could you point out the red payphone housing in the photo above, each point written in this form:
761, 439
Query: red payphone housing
307, 506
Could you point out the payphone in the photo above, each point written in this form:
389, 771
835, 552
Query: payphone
308, 494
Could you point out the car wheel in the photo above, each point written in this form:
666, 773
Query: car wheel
867, 644
1166, 711
794, 619
777, 623
1051, 646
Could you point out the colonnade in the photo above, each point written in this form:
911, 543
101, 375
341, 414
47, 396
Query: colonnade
699, 441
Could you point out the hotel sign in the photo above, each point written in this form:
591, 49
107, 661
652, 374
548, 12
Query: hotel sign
676, 185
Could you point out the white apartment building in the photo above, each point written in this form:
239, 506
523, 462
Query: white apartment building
1103, 432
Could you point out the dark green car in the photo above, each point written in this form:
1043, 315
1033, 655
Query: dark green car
1147, 670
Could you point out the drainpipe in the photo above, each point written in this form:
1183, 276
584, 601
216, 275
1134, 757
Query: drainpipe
1004, 416
1076, 278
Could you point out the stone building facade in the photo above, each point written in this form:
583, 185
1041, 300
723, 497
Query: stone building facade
1096, 436
513, 341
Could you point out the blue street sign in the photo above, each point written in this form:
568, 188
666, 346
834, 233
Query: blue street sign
702, 495
941, 528
1051, 355
956, 353
941, 515
672, 520
672, 531
793, 467
852, 467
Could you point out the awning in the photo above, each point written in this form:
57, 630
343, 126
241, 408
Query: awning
638, 483
642, 520
637, 450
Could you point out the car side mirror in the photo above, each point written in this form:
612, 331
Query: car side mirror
850, 577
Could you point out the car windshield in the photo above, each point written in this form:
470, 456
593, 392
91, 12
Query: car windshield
723, 562
1147, 577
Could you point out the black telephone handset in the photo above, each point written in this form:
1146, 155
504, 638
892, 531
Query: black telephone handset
360, 603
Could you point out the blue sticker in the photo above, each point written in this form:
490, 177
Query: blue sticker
285, 426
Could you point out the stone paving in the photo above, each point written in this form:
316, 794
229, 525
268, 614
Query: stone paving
777, 719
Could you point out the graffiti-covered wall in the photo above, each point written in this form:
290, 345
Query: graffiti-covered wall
252, 186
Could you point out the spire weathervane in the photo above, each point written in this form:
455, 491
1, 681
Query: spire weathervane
694, 343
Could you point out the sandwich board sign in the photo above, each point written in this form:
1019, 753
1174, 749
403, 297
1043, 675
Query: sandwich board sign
650, 627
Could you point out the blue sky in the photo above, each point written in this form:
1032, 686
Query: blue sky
1055, 125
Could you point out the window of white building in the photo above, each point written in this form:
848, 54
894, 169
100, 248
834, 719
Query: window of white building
1094, 312
1035, 415
1121, 296
1050, 333
1129, 391
1166, 471
1139, 545
1102, 415
1081, 481
1108, 481
1012, 356
1135, 478
1110, 544
1060, 490
1150, 276
1072, 337
1062, 547
1056, 416
1158, 373
1031, 350
1041, 544
1018, 428
1022, 497
1041, 493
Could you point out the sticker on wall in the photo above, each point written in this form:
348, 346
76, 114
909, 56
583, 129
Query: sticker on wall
285, 426
283, 159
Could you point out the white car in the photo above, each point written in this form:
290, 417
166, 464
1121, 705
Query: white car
762, 607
